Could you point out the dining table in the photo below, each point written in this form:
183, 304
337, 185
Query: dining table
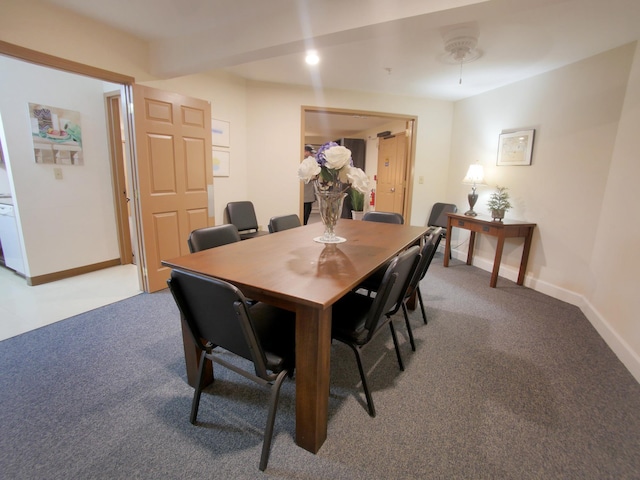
290, 270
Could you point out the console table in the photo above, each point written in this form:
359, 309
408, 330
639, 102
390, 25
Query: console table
502, 230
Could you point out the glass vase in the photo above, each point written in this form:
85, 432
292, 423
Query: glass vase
330, 201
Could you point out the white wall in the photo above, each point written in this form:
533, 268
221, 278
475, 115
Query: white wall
614, 302
576, 190
65, 223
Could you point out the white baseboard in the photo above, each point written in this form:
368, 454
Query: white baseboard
623, 351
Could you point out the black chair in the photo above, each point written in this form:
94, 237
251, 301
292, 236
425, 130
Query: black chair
217, 314
243, 216
438, 218
426, 255
383, 217
284, 222
210, 237
373, 282
357, 318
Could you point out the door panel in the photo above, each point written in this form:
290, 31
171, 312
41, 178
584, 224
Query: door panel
173, 151
391, 174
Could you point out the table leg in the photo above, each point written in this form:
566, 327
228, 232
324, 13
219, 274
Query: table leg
525, 256
472, 242
313, 350
497, 260
447, 248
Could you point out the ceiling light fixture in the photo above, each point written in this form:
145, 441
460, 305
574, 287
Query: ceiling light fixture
312, 58
460, 43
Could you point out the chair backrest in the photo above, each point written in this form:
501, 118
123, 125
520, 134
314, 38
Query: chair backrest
383, 217
436, 236
242, 215
394, 283
427, 252
216, 313
284, 222
210, 237
438, 216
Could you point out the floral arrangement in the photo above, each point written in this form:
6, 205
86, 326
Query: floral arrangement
332, 169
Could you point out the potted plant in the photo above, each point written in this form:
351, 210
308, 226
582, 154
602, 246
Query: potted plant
357, 204
499, 203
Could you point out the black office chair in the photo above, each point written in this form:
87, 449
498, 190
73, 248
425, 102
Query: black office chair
216, 313
383, 217
210, 237
372, 283
357, 318
243, 216
426, 255
438, 218
284, 222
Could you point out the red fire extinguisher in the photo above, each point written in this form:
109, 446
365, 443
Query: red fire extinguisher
372, 201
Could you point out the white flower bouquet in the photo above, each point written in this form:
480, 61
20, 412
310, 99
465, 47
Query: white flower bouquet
332, 169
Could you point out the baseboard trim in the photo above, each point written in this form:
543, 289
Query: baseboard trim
617, 344
52, 277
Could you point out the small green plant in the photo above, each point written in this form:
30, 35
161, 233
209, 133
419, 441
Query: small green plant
499, 200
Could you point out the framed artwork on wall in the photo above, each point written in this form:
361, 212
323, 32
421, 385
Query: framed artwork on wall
220, 160
220, 133
56, 134
515, 148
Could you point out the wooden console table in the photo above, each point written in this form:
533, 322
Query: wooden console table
502, 230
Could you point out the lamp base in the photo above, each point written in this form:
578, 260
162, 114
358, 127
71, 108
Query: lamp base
473, 198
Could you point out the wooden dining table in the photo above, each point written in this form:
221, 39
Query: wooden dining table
290, 270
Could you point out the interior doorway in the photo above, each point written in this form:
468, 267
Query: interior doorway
321, 124
116, 113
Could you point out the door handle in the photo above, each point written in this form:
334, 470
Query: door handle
393, 189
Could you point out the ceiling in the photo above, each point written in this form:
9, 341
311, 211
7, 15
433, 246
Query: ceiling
381, 46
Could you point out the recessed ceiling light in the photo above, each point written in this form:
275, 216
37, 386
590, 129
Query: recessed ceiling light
312, 58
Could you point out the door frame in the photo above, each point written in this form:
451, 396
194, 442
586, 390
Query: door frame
411, 122
121, 189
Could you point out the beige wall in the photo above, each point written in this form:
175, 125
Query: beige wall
55, 31
614, 302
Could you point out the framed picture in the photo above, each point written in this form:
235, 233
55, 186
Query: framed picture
220, 159
56, 134
515, 148
220, 133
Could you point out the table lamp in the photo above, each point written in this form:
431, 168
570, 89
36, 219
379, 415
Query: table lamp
474, 177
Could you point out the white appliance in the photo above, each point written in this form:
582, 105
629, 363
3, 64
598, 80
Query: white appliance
10, 240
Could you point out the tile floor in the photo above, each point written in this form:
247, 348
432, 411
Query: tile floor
24, 308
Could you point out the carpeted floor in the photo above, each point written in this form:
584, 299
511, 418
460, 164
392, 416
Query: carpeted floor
506, 383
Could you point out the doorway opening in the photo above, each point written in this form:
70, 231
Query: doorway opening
321, 124
117, 116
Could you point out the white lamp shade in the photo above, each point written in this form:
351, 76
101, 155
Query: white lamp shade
475, 175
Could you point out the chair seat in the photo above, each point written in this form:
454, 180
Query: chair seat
349, 316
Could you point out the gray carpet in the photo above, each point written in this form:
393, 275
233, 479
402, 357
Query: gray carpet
506, 383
